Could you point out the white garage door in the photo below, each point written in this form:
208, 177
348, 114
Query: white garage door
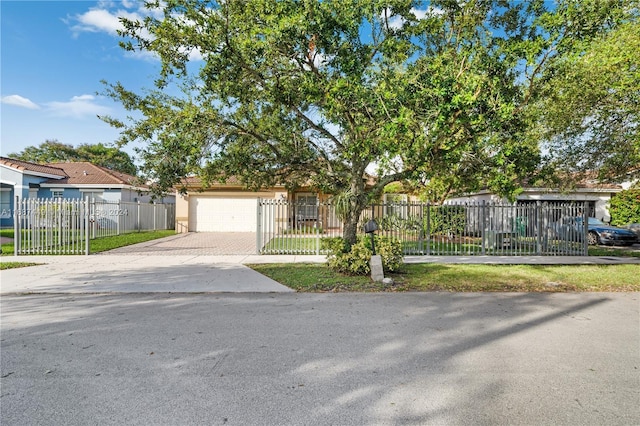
213, 214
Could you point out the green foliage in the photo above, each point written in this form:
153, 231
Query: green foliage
52, 151
317, 92
625, 207
589, 108
445, 219
354, 258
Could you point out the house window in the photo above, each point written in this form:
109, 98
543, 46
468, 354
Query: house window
93, 196
396, 205
57, 193
5, 203
306, 207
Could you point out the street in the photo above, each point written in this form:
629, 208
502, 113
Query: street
316, 359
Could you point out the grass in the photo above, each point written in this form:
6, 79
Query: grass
289, 244
613, 251
12, 265
462, 278
105, 243
109, 243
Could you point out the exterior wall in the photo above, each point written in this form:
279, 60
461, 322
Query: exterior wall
601, 198
17, 184
182, 213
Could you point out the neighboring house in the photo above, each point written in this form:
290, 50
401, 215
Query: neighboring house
596, 195
65, 180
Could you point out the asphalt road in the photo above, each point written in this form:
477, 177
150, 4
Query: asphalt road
321, 359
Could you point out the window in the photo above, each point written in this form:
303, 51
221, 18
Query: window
5, 203
93, 196
57, 193
306, 206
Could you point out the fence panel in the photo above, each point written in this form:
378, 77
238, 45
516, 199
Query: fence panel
65, 226
469, 229
109, 218
51, 226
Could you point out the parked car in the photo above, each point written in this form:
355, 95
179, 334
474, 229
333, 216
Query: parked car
571, 228
633, 227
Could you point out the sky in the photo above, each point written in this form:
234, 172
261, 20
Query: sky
53, 56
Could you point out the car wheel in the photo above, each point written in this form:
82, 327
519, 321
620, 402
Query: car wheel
593, 238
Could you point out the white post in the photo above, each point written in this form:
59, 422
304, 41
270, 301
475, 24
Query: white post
16, 226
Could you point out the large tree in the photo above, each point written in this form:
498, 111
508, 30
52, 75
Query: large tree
52, 151
589, 114
326, 92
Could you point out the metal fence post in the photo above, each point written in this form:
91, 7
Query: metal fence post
258, 225
16, 226
538, 228
585, 229
317, 226
428, 229
87, 211
483, 230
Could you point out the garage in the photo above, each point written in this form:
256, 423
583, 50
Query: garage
222, 214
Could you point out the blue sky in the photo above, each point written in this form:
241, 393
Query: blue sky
53, 56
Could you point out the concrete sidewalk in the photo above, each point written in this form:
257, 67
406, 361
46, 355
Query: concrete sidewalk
144, 273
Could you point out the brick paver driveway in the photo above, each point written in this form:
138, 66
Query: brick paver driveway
196, 244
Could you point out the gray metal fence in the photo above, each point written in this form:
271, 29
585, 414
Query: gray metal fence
63, 226
470, 229
115, 218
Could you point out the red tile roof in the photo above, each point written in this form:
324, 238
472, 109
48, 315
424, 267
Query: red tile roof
85, 173
26, 166
76, 173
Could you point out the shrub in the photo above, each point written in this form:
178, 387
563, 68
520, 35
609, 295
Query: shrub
354, 259
446, 219
625, 207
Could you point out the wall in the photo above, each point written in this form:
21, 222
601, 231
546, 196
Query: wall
599, 196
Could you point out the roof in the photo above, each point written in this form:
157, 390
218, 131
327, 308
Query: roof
85, 173
26, 166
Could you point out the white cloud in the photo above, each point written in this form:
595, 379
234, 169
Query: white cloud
77, 107
396, 22
18, 100
105, 18
102, 20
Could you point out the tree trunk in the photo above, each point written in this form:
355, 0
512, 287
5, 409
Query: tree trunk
357, 202
350, 229
350, 222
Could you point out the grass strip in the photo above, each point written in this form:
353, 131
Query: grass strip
462, 278
109, 243
13, 265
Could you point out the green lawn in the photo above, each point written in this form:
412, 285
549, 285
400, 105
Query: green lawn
291, 244
463, 278
109, 243
105, 243
12, 265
